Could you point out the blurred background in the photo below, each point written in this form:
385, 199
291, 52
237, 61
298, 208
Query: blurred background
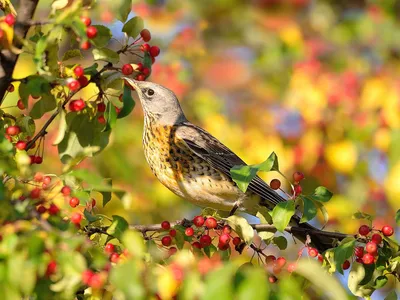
315, 81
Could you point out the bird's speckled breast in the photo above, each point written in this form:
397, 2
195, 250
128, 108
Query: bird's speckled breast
185, 173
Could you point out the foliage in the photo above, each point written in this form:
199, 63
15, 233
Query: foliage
57, 239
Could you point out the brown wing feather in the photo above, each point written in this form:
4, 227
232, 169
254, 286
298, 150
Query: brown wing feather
221, 158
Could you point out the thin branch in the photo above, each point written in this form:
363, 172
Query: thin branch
258, 227
8, 58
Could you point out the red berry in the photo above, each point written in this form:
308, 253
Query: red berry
66, 190
154, 51
78, 71
140, 67
73, 85
346, 265
101, 107
53, 210
127, 69
20, 145
291, 267
359, 260
93, 202
41, 209
312, 252
165, 225
272, 279
320, 258
86, 45
227, 229
74, 202
10, 20
224, 239
223, 247
367, 259
236, 241
86, 276
387, 230
166, 240
35, 193
270, 259
172, 251
146, 35
280, 262
359, 251
51, 268
205, 240
297, 189
38, 177
141, 77
114, 257
76, 218
298, 176
146, 72
91, 32
38, 160
20, 104
198, 221
10, 88
172, 232
211, 223
13, 130
47, 180
364, 230
109, 248
189, 231
32, 157
86, 20
145, 47
371, 247
96, 281
77, 105
275, 184
196, 245
83, 81
376, 238
101, 119
153, 60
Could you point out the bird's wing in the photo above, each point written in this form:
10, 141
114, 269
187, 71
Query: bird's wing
220, 157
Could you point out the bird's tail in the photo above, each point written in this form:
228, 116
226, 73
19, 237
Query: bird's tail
316, 237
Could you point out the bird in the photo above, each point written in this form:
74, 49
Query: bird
196, 166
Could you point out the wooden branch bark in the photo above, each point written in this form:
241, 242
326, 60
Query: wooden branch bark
8, 59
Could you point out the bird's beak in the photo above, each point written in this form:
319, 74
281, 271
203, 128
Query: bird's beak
133, 83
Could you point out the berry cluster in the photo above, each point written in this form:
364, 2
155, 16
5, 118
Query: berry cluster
275, 184
91, 32
201, 234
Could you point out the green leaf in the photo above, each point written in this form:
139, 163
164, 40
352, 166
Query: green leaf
147, 61
35, 86
87, 176
124, 10
398, 217
251, 286
133, 241
128, 101
281, 242
27, 125
62, 127
356, 275
266, 236
369, 272
321, 194
391, 296
380, 281
106, 54
327, 284
45, 104
111, 116
133, 27
323, 210
179, 237
103, 36
218, 284
271, 164
264, 215
132, 288
282, 213
83, 196
243, 175
106, 197
92, 70
241, 227
118, 227
91, 218
343, 252
362, 216
74, 53
310, 210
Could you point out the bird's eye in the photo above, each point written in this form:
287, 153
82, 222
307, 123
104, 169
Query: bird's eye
150, 92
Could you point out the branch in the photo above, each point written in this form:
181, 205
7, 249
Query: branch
258, 227
8, 59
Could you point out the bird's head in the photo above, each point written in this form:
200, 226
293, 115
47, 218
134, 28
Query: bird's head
158, 102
